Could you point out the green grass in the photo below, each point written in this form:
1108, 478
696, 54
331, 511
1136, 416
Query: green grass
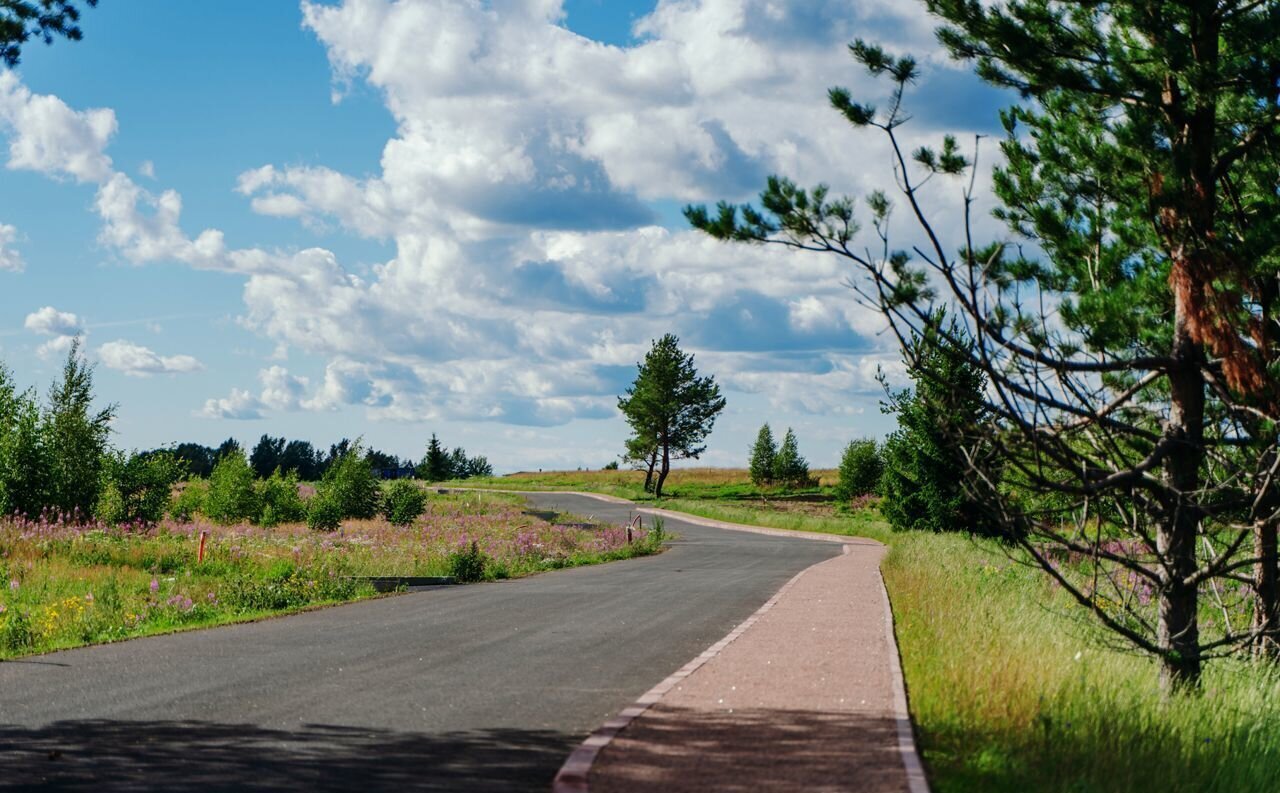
1011, 690
698, 483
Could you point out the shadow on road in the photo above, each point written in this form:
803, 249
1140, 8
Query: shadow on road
188, 755
753, 750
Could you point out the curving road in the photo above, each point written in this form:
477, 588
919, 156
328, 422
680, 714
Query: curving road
484, 687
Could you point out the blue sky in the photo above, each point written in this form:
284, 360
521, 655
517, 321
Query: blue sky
391, 219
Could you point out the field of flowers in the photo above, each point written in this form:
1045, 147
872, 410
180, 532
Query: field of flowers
64, 584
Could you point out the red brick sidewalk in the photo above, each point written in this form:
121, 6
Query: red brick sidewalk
804, 696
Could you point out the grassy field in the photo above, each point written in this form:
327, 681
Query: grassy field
700, 483
1010, 690
63, 585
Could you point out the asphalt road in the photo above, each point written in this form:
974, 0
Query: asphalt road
482, 687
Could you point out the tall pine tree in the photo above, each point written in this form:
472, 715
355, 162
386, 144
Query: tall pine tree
1133, 364
670, 404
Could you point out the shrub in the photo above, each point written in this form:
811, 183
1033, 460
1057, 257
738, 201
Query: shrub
137, 488
404, 503
612, 465
352, 485
232, 496
189, 500
469, 564
764, 455
324, 513
789, 468
278, 495
860, 469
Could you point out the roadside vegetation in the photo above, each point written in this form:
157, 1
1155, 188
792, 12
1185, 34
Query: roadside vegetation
99, 544
64, 584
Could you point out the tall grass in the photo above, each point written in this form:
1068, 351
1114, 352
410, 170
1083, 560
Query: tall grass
1011, 693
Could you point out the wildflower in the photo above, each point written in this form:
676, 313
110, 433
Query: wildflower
155, 586
13, 584
88, 598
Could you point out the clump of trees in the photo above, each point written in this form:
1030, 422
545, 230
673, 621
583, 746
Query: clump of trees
439, 465
56, 458
778, 466
1127, 322
671, 411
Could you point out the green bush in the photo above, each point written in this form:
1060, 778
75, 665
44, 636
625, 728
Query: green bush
860, 469
137, 488
469, 564
324, 513
278, 495
24, 456
232, 494
404, 503
189, 500
352, 485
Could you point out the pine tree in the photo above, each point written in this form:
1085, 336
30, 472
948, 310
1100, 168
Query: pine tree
1130, 330
22, 20
919, 484
435, 465
763, 454
671, 405
790, 469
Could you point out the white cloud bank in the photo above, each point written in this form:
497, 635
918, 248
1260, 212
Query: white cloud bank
521, 192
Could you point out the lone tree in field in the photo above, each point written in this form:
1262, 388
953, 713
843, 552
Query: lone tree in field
763, 455
435, 465
1132, 351
670, 404
21, 20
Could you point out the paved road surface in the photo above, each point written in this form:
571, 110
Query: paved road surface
484, 687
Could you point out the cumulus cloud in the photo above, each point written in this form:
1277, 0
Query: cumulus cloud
138, 361
521, 192
240, 405
50, 137
10, 259
49, 321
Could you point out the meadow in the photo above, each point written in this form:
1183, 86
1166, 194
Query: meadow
65, 583
697, 483
1011, 688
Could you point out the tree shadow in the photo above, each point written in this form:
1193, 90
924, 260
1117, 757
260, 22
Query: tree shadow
756, 749
103, 755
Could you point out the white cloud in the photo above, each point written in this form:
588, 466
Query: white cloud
139, 361
58, 346
10, 259
528, 274
49, 321
240, 405
147, 169
52, 138
281, 390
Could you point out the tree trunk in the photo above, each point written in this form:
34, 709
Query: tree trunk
1266, 611
1178, 631
666, 468
648, 475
